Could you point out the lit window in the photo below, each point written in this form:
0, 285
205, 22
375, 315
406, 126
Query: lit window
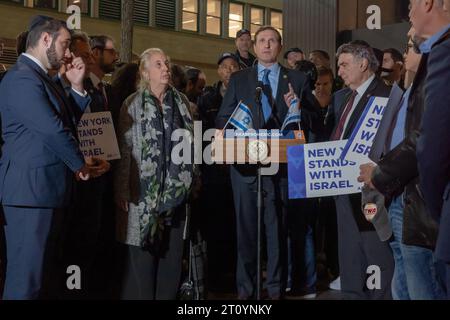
83, 4
236, 19
256, 19
16, 1
48, 4
276, 21
213, 17
190, 15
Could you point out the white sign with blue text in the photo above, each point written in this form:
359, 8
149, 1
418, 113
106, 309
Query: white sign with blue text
361, 140
317, 170
97, 136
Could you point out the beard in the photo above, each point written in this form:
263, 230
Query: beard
107, 68
52, 57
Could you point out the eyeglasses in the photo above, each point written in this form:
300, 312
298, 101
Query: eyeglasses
111, 50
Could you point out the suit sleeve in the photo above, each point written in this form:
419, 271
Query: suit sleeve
229, 104
398, 167
33, 111
433, 149
80, 101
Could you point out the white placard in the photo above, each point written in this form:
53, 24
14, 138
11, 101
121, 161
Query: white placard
97, 136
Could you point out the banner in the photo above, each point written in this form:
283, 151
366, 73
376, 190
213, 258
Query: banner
317, 170
97, 136
361, 140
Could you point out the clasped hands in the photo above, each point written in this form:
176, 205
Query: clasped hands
93, 168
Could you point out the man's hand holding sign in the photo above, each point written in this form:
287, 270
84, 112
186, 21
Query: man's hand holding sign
331, 168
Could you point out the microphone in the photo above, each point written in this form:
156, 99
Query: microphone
259, 90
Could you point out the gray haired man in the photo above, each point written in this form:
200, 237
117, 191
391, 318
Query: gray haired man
360, 249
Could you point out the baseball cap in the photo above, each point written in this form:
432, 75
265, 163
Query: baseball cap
381, 219
242, 32
227, 55
292, 50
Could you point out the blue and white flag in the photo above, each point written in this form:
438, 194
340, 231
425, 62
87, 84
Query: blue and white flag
294, 115
242, 118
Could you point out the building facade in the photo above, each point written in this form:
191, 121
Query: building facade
191, 32
326, 24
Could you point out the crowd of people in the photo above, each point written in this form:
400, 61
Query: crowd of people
139, 226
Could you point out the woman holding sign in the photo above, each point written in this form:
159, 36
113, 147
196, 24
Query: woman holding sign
151, 186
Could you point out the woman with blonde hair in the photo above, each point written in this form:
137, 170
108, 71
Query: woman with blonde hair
151, 188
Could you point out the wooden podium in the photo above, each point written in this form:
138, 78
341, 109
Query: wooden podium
254, 147
259, 148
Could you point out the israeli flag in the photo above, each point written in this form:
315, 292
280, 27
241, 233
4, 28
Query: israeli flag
242, 118
294, 115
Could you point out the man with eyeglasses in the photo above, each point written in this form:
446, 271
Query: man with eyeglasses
396, 177
91, 228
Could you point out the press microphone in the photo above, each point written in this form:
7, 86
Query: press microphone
259, 90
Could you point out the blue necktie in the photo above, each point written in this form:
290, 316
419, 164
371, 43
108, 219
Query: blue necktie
265, 100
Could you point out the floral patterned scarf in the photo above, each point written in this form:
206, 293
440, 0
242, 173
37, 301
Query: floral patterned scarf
164, 184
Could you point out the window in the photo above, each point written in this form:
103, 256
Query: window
140, 11
165, 14
15, 1
276, 21
235, 19
213, 17
190, 15
110, 9
47, 4
83, 4
256, 19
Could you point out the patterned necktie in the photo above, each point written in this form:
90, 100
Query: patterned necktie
267, 96
340, 128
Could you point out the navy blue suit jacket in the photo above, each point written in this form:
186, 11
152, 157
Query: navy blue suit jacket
433, 150
243, 85
40, 149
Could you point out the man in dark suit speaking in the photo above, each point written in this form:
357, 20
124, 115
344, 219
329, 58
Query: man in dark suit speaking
278, 84
40, 151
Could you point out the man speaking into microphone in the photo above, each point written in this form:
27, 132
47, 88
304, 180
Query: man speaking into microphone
273, 85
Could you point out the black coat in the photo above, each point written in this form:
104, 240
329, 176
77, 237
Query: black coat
209, 105
397, 171
433, 148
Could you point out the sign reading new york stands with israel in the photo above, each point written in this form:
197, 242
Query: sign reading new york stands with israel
97, 136
332, 168
317, 170
361, 140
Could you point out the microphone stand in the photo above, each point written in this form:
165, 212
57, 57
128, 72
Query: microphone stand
259, 204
